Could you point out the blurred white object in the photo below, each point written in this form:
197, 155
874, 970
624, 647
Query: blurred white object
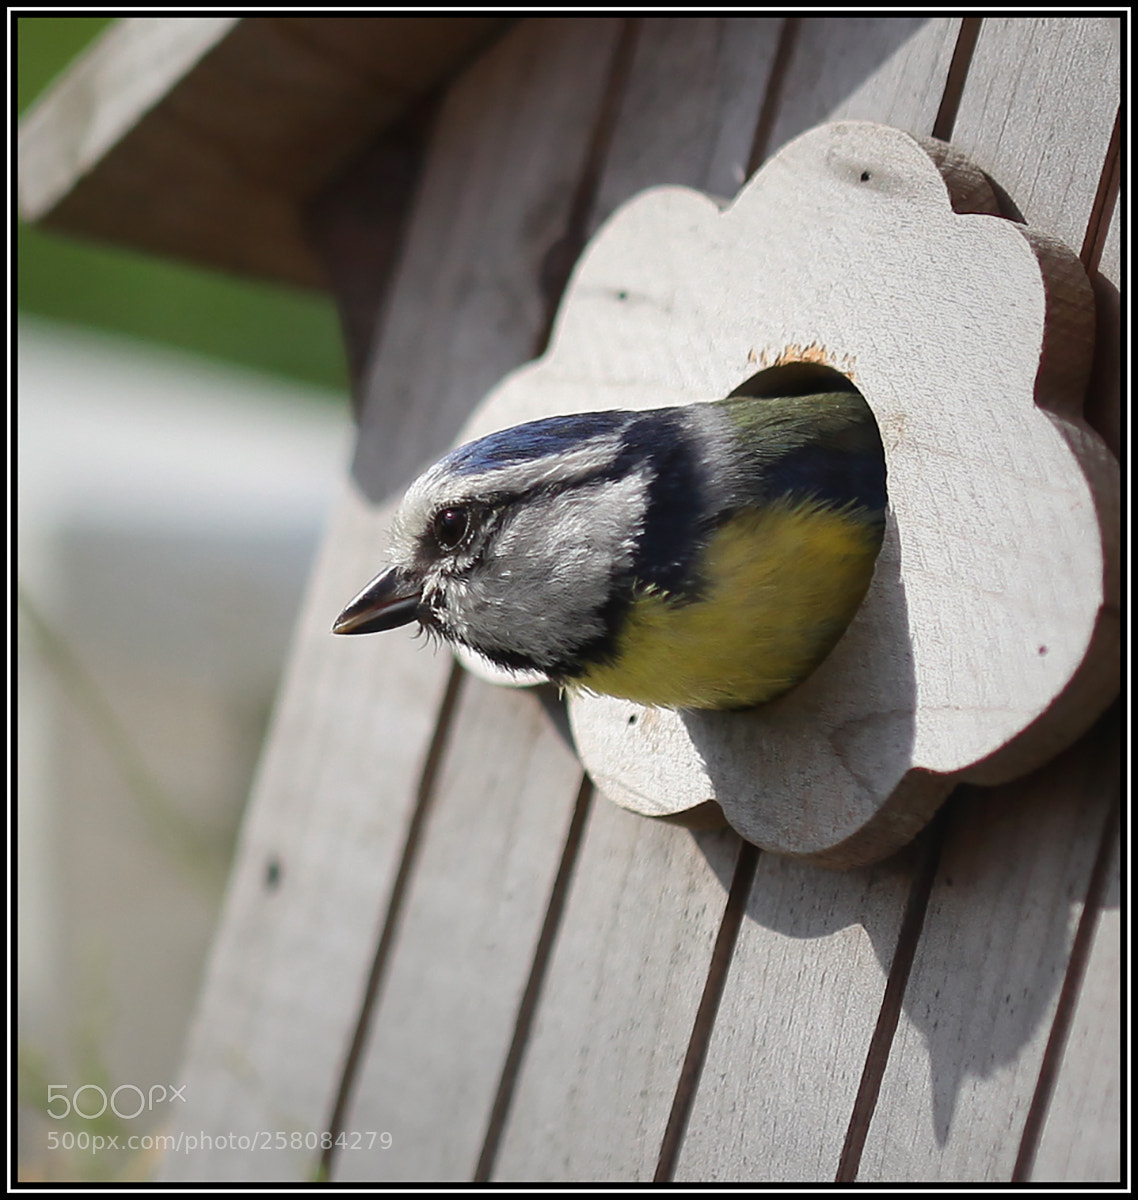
169, 508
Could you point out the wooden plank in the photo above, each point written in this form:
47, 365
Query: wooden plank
339, 781
487, 217
978, 1009
798, 1011
315, 863
909, 83
1081, 1137
1038, 110
633, 950
805, 988
356, 224
200, 138
508, 150
985, 982
1081, 1140
704, 77
889, 69
445, 1018
617, 1010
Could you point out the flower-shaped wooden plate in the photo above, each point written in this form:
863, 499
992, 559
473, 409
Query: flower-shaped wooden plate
989, 637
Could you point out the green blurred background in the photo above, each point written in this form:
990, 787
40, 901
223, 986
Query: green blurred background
270, 327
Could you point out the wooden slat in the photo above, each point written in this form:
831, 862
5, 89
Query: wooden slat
1038, 110
200, 138
977, 1013
889, 69
706, 125
445, 1016
797, 1015
612, 1027
509, 147
751, 1119
356, 225
1081, 1140
622, 993
340, 775
978, 1010
315, 863
124, 74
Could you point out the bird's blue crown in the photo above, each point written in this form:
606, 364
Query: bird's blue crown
532, 441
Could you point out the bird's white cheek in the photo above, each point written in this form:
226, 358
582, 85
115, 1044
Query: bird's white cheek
543, 580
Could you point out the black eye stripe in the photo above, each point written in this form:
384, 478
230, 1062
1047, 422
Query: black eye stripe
460, 524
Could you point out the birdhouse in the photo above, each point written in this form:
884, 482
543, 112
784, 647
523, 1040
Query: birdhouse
446, 954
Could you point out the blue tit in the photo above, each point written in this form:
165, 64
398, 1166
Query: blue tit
705, 556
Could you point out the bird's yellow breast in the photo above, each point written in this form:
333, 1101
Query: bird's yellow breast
782, 584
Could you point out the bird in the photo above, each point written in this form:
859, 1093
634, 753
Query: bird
701, 556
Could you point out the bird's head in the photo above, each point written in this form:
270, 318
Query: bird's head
516, 545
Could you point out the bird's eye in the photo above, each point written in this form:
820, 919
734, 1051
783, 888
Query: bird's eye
450, 527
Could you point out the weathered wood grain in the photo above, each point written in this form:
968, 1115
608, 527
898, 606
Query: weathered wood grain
977, 1012
1082, 1138
445, 1015
358, 720
889, 69
689, 109
863, 1031
317, 855
1038, 110
798, 1011
615, 1015
984, 988
621, 994
511, 139
815, 950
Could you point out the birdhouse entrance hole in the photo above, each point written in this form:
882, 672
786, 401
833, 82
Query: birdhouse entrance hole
795, 378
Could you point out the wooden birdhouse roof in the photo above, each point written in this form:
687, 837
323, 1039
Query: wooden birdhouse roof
201, 138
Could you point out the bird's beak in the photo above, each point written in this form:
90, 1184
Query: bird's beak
390, 600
